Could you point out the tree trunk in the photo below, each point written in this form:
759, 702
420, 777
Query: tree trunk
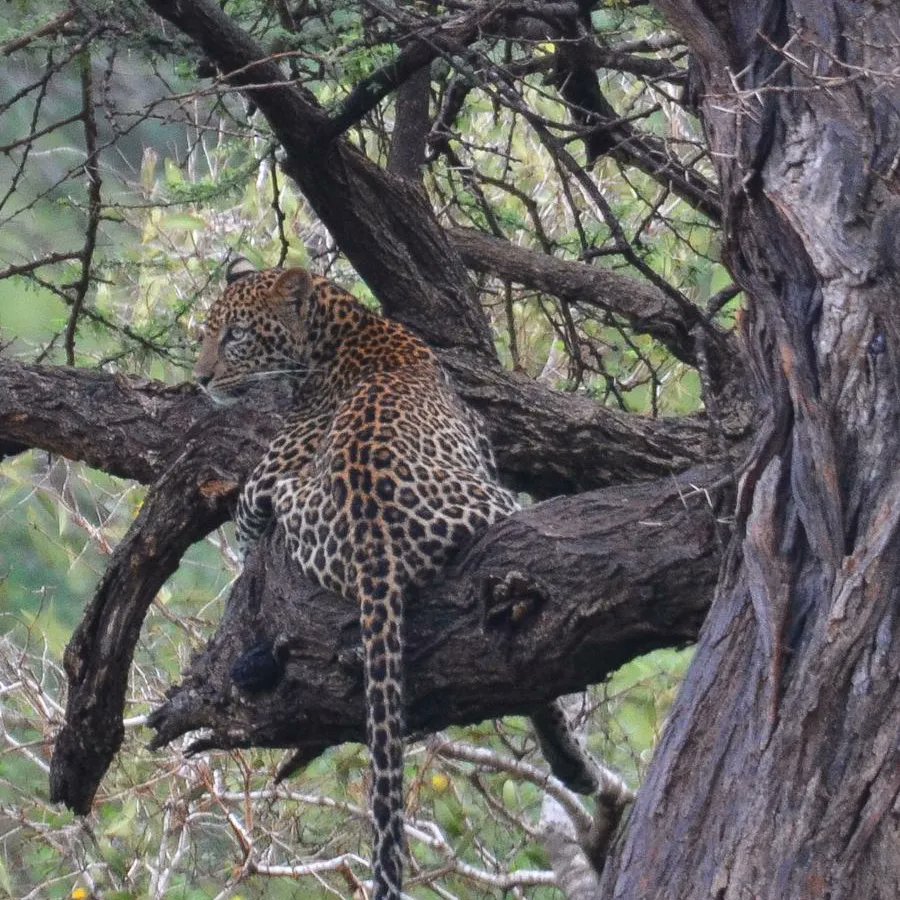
779, 773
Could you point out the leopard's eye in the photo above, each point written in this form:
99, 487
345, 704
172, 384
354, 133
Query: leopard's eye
235, 333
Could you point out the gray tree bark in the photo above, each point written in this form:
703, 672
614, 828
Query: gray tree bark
779, 773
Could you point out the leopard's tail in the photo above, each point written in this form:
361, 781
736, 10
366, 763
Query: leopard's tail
380, 594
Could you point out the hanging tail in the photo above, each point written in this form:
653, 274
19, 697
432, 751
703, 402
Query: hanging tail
381, 620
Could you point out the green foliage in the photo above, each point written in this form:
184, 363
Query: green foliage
636, 701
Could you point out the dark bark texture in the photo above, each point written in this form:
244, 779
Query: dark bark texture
195, 457
546, 442
779, 773
517, 595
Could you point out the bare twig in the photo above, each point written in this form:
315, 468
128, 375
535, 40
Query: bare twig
51, 27
94, 182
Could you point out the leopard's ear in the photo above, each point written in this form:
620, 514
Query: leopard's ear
293, 285
238, 268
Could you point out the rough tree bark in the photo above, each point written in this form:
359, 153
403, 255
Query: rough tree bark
194, 458
546, 442
518, 594
778, 776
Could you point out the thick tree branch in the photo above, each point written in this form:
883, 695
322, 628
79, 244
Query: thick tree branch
647, 309
411, 127
189, 501
547, 442
130, 427
551, 443
383, 223
581, 584
124, 426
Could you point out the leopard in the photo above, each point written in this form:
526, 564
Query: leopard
378, 477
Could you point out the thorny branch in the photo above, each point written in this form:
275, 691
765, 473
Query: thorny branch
475, 27
56, 24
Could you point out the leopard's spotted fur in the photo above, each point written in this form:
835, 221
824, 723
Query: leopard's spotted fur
376, 480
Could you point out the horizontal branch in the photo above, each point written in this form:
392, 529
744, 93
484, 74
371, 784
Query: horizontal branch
198, 455
123, 426
550, 443
646, 308
548, 601
647, 67
48, 260
547, 442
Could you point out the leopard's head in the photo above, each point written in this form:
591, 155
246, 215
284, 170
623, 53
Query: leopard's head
254, 330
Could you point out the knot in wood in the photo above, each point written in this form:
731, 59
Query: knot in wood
511, 602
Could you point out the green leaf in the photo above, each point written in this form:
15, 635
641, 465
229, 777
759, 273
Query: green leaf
181, 222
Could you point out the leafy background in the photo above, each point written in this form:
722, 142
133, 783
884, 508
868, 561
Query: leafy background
187, 183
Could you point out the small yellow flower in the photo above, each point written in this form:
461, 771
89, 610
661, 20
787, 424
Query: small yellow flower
80, 893
440, 782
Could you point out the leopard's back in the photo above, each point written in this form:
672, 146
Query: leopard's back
377, 482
